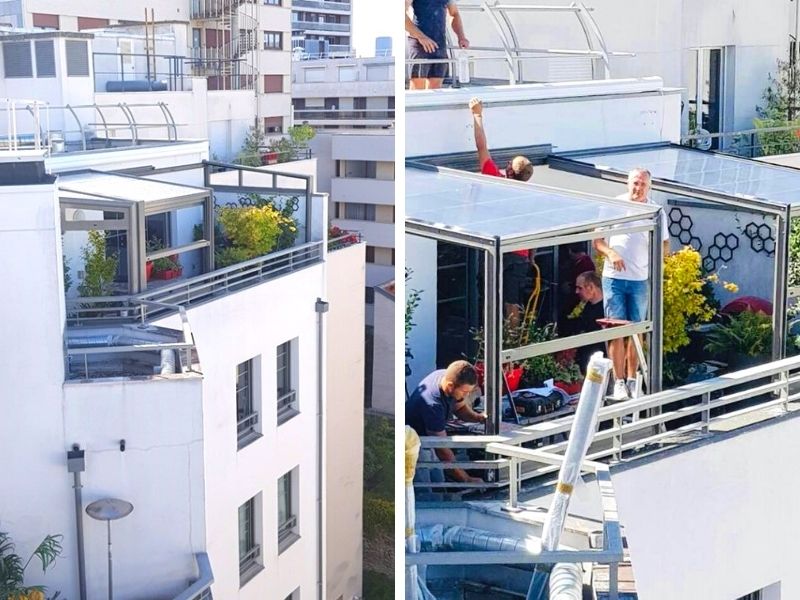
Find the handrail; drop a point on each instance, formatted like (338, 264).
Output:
(611, 553)
(773, 379)
(201, 588)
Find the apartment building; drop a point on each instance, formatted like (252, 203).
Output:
(201, 398)
(234, 44)
(322, 27)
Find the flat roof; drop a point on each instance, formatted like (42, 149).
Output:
(112, 186)
(491, 208)
(721, 174)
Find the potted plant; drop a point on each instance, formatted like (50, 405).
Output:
(743, 339)
(167, 267)
(12, 568)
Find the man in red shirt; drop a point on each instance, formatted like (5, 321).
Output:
(519, 168)
(517, 264)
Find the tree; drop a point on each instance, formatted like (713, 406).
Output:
(99, 269)
(250, 154)
(288, 149)
(12, 569)
(780, 109)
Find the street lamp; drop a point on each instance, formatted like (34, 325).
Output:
(109, 509)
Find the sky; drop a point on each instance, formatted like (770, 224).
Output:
(370, 21)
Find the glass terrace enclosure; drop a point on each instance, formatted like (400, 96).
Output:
(491, 217)
(747, 207)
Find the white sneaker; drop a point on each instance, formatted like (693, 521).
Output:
(632, 386)
(620, 390)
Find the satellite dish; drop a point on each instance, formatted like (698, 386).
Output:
(703, 143)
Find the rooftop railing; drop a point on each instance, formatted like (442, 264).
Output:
(320, 114)
(326, 4)
(344, 240)
(610, 554)
(628, 429)
(319, 26)
(749, 143)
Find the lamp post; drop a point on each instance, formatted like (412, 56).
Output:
(109, 509)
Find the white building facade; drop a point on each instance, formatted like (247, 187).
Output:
(322, 27)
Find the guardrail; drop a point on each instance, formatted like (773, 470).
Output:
(611, 553)
(320, 26)
(345, 240)
(343, 6)
(319, 114)
(749, 143)
(626, 429)
(201, 588)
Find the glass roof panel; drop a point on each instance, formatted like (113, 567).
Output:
(729, 175)
(488, 207)
(119, 187)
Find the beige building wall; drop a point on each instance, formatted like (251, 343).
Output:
(344, 422)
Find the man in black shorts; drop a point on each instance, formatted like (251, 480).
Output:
(427, 40)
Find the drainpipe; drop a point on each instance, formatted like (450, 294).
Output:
(76, 465)
(321, 307)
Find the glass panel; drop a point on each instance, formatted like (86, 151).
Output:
(715, 172)
(244, 399)
(284, 498)
(284, 374)
(246, 528)
(488, 207)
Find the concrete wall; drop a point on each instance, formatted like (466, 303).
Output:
(383, 363)
(722, 516)
(227, 332)
(162, 155)
(344, 421)
(570, 116)
(164, 10)
(160, 473)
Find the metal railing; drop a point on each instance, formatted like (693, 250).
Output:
(157, 303)
(246, 426)
(201, 588)
(319, 114)
(673, 417)
(343, 6)
(286, 529)
(344, 240)
(749, 143)
(611, 553)
(123, 310)
(320, 26)
(249, 559)
(287, 405)
(137, 72)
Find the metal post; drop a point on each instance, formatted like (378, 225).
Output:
(780, 276)
(617, 439)
(110, 578)
(706, 413)
(493, 335)
(513, 482)
(656, 308)
(613, 581)
(76, 464)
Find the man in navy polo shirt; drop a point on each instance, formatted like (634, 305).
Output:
(440, 394)
(427, 39)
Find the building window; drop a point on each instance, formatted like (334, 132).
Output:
(45, 21)
(77, 58)
(348, 73)
(273, 124)
(247, 420)
(273, 40)
(17, 59)
(370, 254)
(249, 548)
(273, 2)
(359, 212)
(287, 510)
(369, 344)
(369, 295)
(273, 84)
(45, 58)
(314, 75)
(392, 256)
(378, 73)
(287, 378)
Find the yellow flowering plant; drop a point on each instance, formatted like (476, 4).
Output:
(684, 297)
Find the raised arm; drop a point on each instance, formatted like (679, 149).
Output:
(457, 25)
(480, 136)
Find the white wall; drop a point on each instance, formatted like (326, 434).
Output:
(160, 473)
(344, 421)
(227, 332)
(37, 500)
(164, 10)
(162, 155)
(723, 516)
(383, 370)
(568, 116)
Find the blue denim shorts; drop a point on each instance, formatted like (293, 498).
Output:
(625, 299)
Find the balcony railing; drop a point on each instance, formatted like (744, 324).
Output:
(287, 529)
(342, 6)
(344, 240)
(287, 406)
(319, 26)
(318, 114)
(246, 428)
(249, 560)
(749, 143)
(201, 588)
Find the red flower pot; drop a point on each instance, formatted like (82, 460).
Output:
(148, 269)
(570, 388)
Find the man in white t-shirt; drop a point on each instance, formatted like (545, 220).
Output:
(625, 284)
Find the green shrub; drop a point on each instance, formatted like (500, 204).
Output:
(378, 515)
(99, 269)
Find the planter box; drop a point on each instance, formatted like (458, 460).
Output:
(168, 274)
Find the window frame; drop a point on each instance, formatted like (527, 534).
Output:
(276, 36)
(286, 378)
(247, 424)
(288, 528)
(250, 558)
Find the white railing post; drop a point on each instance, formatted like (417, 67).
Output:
(707, 412)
